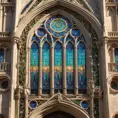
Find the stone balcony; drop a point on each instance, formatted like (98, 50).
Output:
(5, 36)
(112, 3)
(113, 67)
(113, 34)
(5, 67)
(6, 3)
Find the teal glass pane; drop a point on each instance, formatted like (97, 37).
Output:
(70, 67)
(34, 67)
(1, 55)
(69, 38)
(116, 55)
(46, 68)
(116, 58)
(81, 68)
(58, 57)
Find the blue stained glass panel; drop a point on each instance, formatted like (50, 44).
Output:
(116, 55)
(35, 38)
(81, 68)
(34, 67)
(58, 67)
(58, 26)
(40, 32)
(76, 32)
(116, 58)
(33, 104)
(70, 67)
(69, 39)
(46, 68)
(1, 55)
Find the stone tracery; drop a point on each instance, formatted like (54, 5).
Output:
(94, 36)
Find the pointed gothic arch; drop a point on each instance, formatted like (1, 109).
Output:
(58, 102)
(30, 29)
(50, 5)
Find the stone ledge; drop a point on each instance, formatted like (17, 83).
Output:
(113, 34)
(110, 4)
(5, 36)
(8, 4)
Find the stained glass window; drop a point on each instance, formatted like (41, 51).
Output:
(81, 67)
(34, 67)
(58, 67)
(1, 55)
(52, 34)
(70, 67)
(46, 68)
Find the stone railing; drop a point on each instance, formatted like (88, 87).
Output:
(6, 3)
(113, 67)
(4, 35)
(113, 34)
(4, 67)
(112, 3)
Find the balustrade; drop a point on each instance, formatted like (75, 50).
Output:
(4, 67)
(113, 67)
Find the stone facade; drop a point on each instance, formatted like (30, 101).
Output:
(97, 20)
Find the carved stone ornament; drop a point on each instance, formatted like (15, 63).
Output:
(58, 102)
(23, 51)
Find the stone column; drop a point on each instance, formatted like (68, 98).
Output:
(75, 71)
(26, 106)
(52, 71)
(5, 54)
(40, 72)
(64, 71)
(12, 109)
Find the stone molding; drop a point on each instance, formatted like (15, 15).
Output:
(59, 102)
(47, 5)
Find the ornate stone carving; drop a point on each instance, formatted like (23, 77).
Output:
(95, 49)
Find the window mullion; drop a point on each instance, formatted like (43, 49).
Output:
(40, 73)
(5, 55)
(52, 70)
(64, 71)
(76, 70)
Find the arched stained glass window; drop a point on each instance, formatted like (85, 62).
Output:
(34, 67)
(46, 68)
(58, 67)
(1, 55)
(81, 67)
(52, 34)
(70, 67)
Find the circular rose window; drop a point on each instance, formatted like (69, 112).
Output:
(58, 26)
(4, 84)
(33, 104)
(84, 104)
(114, 84)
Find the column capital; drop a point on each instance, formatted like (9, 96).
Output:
(16, 40)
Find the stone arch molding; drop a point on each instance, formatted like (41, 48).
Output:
(67, 4)
(59, 102)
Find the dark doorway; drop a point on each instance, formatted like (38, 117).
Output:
(59, 114)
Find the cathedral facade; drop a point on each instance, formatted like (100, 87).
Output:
(59, 58)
